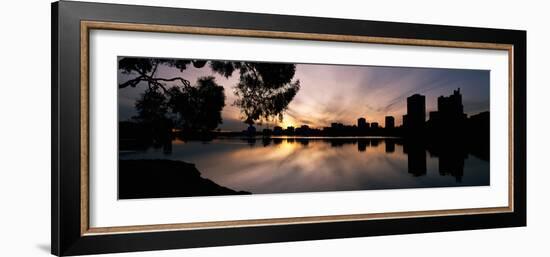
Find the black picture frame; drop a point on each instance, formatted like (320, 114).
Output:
(66, 233)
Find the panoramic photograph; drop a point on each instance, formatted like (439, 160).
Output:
(189, 127)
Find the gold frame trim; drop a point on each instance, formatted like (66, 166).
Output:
(86, 26)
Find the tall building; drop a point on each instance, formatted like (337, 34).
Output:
(374, 125)
(416, 112)
(450, 114)
(390, 122)
(362, 123)
(451, 106)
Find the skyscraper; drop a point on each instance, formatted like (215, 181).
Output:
(362, 123)
(416, 112)
(450, 114)
(390, 122)
(451, 106)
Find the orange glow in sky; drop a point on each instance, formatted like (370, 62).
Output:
(343, 93)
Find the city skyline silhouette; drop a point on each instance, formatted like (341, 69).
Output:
(449, 116)
(342, 93)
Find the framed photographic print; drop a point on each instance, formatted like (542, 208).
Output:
(177, 128)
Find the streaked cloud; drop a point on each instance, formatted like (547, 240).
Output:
(341, 93)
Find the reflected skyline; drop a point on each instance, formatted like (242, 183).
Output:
(290, 164)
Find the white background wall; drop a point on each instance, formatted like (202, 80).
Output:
(25, 128)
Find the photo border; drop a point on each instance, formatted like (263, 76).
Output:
(85, 28)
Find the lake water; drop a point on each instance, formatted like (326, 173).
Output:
(285, 165)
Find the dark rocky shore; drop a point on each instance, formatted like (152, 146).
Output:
(165, 178)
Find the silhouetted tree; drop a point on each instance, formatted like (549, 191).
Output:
(196, 108)
(264, 89)
(152, 106)
(145, 69)
(200, 105)
(155, 125)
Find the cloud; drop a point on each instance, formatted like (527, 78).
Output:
(343, 93)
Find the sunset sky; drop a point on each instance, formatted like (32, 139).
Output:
(341, 93)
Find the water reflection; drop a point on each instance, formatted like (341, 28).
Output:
(416, 159)
(283, 165)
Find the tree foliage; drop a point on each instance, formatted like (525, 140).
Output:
(191, 107)
(200, 106)
(151, 115)
(264, 91)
